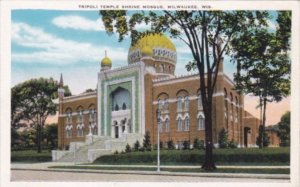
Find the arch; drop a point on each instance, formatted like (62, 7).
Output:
(119, 97)
(182, 93)
(80, 107)
(179, 116)
(201, 121)
(200, 114)
(186, 115)
(68, 110)
(163, 95)
(92, 106)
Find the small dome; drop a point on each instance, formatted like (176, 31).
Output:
(106, 61)
(146, 51)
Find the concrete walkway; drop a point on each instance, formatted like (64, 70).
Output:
(45, 167)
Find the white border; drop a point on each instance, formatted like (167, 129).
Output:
(7, 6)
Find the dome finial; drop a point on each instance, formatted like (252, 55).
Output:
(105, 53)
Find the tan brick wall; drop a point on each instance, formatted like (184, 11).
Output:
(86, 104)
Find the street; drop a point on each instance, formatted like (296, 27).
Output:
(29, 175)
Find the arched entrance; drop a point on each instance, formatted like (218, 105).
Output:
(121, 112)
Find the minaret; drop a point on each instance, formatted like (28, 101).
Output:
(61, 90)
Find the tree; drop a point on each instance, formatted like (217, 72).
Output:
(284, 129)
(262, 136)
(32, 100)
(137, 145)
(223, 139)
(206, 33)
(147, 142)
(50, 133)
(263, 64)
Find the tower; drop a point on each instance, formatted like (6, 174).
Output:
(61, 90)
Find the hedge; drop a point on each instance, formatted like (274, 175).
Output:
(30, 156)
(222, 156)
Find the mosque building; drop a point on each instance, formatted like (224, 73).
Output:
(124, 106)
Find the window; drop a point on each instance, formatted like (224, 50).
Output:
(166, 104)
(201, 122)
(160, 126)
(179, 124)
(167, 125)
(160, 104)
(186, 103)
(79, 116)
(179, 104)
(92, 121)
(200, 106)
(80, 129)
(187, 124)
(69, 131)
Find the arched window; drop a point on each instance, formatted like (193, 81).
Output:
(201, 122)
(92, 121)
(179, 124)
(200, 106)
(179, 104)
(117, 107)
(69, 128)
(79, 116)
(80, 129)
(124, 106)
(160, 126)
(186, 103)
(166, 104)
(167, 123)
(69, 117)
(187, 123)
(160, 105)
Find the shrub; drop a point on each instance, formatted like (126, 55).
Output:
(232, 144)
(146, 141)
(186, 144)
(191, 157)
(116, 152)
(128, 148)
(171, 145)
(137, 146)
(223, 139)
(198, 144)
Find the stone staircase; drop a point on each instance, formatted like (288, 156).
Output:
(94, 147)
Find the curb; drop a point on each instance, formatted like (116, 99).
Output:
(166, 173)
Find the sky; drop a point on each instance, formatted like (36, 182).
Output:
(46, 43)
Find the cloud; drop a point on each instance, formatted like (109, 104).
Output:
(78, 23)
(51, 49)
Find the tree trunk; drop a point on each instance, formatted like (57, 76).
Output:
(264, 120)
(261, 145)
(209, 163)
(38, 139)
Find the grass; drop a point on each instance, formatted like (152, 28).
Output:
(31, 156)
(191, 170)
(249, 156)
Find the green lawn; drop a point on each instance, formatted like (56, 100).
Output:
(249, 156)
(31, 156)
(193, 170)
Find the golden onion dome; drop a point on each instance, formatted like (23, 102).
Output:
(157, 46)
(106, 61)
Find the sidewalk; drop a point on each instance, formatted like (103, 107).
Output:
(44, 167)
